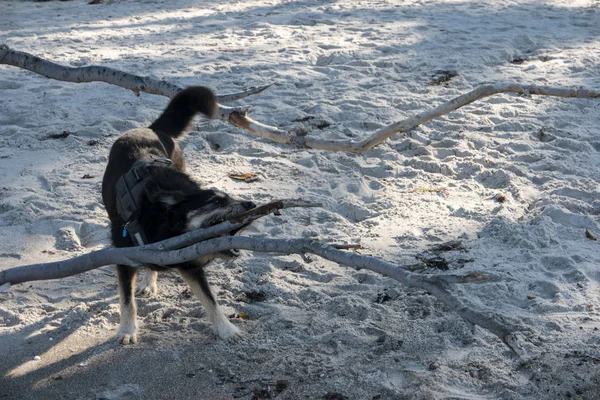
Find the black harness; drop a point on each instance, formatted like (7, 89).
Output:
(130, 190)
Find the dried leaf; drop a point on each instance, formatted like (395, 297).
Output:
(590, 235)
(518, 61)
(247, 177)
(500, 198)
(240, 316)
(530, 297)
(442, 191)
(477, 277)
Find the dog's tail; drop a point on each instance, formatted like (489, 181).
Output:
(182, 108)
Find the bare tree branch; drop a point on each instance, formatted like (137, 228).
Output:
(95, 73)
(138, 256)
(238, 116)
(460, 101)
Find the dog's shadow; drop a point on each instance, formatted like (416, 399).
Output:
(42, 351)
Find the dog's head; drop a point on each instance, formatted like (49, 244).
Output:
(210, 207)
(177, 204)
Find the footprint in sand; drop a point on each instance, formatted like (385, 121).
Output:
(10, 85)
(545, 290)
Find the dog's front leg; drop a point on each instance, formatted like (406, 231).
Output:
(193, 274)
(128, 328)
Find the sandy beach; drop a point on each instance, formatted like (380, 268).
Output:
(514, 179)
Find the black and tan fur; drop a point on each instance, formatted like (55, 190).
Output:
(172, 204)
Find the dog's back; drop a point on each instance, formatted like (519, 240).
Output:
(157, 140)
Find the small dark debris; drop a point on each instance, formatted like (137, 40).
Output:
(58, 378)
(334, 396)
(93, 142)
(442, 76)
(448, 246)
(11, 255)
(304, 119)
(243, 316)
(190, 375)
(433, 366)
(500, 198)
(281, 385)
(590, 235)
(518, 60)
(87, 176)
(241, 392)
(436, 262)
(62, 135)
(314, 122)
(255, 296)
(544, 136)
(582, 357)
(264, 392)
(382, 297)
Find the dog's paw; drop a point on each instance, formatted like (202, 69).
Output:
(147, 286)
(127, 334)
(126, 338)
(225, 330)
(146, 291)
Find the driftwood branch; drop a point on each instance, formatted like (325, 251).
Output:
(186, 247)
(138, 256)
(95, 73)
(238, 116)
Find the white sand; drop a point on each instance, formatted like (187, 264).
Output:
(357, 65)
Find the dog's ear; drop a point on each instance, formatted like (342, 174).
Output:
(169, 199)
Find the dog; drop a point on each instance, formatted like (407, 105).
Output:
(149, 198)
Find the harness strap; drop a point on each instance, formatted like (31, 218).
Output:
(130, 190)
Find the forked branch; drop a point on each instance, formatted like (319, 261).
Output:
(152, 254)
(238, 116)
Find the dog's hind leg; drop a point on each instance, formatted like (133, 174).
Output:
(193, 274)
(128, 328)
(147, 286)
